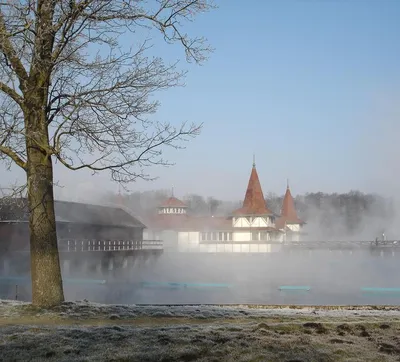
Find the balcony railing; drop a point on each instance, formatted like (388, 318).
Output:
(82, 245)
(356, 243)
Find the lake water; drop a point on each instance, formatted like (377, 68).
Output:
(333, 278)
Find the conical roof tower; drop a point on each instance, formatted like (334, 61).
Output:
(254, 202)
(288, 211)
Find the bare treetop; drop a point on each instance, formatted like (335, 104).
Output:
(98, 93)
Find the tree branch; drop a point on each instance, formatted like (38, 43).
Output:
(10, 153)
(91, 95)
(12, 93)
(8, 50)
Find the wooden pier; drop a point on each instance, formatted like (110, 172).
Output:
(98, 257)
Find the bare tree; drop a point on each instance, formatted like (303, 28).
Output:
(73, 92)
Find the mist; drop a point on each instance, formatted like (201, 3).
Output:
(334, 276)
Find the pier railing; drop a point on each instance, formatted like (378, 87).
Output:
(355, 243)
(81, 245)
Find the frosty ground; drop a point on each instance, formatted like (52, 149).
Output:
(83, 331)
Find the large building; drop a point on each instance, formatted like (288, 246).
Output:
(74, 221)
(251, 228)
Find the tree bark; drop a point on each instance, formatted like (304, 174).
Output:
(47, 287)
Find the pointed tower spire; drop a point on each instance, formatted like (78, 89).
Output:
(254, 160)
(288, 211)
(172, 191)
(287, 184)
(254, 202)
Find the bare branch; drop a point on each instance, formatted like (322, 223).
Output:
(12, 93)
(73, 91)
(9, 52)
(88, 98)
(118, 163)
(14, 156)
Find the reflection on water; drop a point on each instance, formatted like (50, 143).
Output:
(333, 277)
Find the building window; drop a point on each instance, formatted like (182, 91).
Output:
(224, 236)
(216, 236)
(264, 235)
(255, 236)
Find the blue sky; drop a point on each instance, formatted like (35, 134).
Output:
(297, 82)
(309, 86)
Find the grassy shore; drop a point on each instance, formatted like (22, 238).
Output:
(86, 331)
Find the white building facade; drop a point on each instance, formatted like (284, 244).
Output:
(251, 229)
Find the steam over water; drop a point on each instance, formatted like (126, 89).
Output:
(334, 278)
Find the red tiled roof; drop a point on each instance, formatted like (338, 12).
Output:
(254, 202)
(261, 228)
(197, 223)
(173, 202)
(288, 212)
(185, 222)
(209, 223)
(166, 221)
(280, 223)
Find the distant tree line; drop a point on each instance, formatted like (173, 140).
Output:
(349, 215)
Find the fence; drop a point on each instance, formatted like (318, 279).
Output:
(336, 244)
(81, 245)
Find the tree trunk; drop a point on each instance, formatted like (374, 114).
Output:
(47, 287)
